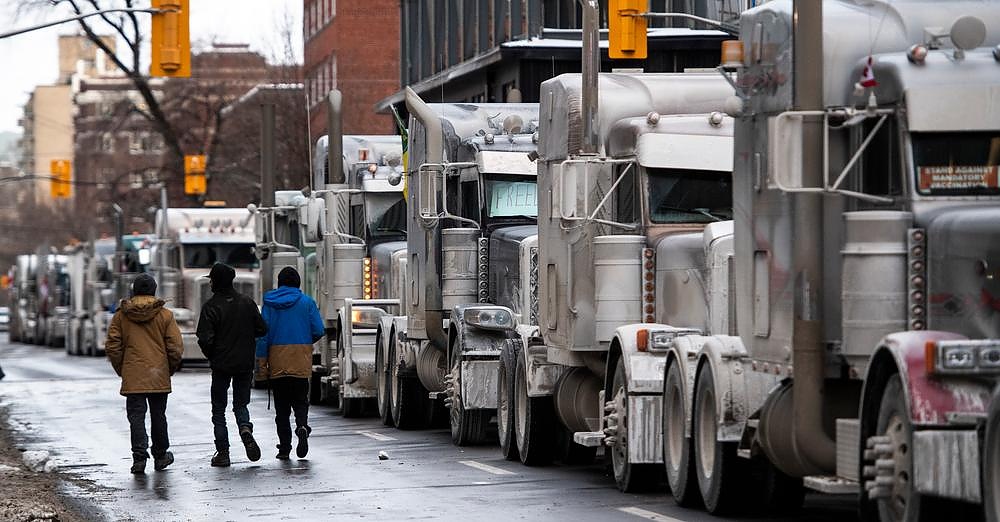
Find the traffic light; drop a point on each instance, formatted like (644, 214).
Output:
(59, 184)
(194, 175)
(171, 41)
(626, 32)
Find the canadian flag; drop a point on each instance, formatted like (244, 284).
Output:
(868, 75)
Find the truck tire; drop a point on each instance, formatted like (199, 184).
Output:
(905, 504)
(468, 427)
(629, 477)
(780, 495)
(722, 475)
(569, 452)
(533, 426)
(408, 401)
(991, 462)
(507, 369)
(352, 407)
(383, 383)
(72, 346)
(677, 446)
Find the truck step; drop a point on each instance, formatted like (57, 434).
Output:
(831, 485)
(589, 439)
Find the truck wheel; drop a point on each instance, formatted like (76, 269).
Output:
(902, 503)
(721, 474)
(352, 407)
(315, 397)
(629, 477)
(72, 348)
(408, 399)
(780, 494)
(468, 427)
(383, 383)
(991, 462)
(677, 447)
(505, 399)
(533, 426)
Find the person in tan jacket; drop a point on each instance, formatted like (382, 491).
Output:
(145, 349)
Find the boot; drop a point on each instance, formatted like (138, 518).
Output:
(283, 452)
(138, 466)
(221, 459)
(302, 448)
(161, 463)
(253, 450)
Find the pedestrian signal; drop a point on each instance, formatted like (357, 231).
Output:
(195, 183)
(60, 182)
(626, 30)
(171, 39)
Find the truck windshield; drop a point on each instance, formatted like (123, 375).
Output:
(508, 198)
(387, 214)
(956, 163)
(689, 196)
(204, 255)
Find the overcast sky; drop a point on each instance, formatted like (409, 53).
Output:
(31, 59)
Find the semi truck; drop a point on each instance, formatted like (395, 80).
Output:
(100, 275)
(24, 296)
(866, 350)
(471, 181)
(188, 242)
(364, 227)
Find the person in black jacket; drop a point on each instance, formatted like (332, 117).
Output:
(228, 327)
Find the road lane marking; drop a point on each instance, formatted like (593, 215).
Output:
(486, 467)
(648, 515)
(377, 436)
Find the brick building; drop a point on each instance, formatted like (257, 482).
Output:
(122, 158)
(353, 46)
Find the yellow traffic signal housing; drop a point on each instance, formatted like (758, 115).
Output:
(626, 31)
(195, 183)
(60, 184)
(171, 41)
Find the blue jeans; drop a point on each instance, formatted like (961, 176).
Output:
(241, 398)
(135, 410)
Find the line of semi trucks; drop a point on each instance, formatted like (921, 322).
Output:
(776, 276)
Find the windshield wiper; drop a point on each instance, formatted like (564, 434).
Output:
(698, 210)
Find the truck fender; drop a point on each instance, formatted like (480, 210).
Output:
(930, 400)
(472, 341)
(724, 355)
(406, 350)
(643, 370)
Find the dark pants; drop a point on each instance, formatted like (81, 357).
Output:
(290, 394)
(241, 398)
(135, 410)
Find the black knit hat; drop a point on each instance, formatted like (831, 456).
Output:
(144, 284)
(289, 277)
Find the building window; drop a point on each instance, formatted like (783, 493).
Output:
(134, 143)
(107, 143)
(135, 180)
(151, 177)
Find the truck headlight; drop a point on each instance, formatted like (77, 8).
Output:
(965, 357)
(489, 317)
(366, 317)
(658, 340)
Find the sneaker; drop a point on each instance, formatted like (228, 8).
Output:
(138, 466)
(253, 450)
(221, 459)
(161, 463)
(283, 453)
(302, 432)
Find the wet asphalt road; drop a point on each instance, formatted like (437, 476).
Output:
(70, 406)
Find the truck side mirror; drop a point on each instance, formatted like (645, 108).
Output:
(571, 178)
(427, 193)
(784, 163)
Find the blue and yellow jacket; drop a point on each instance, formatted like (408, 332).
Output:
(293, 325)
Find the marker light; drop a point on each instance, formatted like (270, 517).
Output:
(917, 54)
(732, 54)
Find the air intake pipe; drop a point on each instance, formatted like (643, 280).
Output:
(590, 66)
(430, 306)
